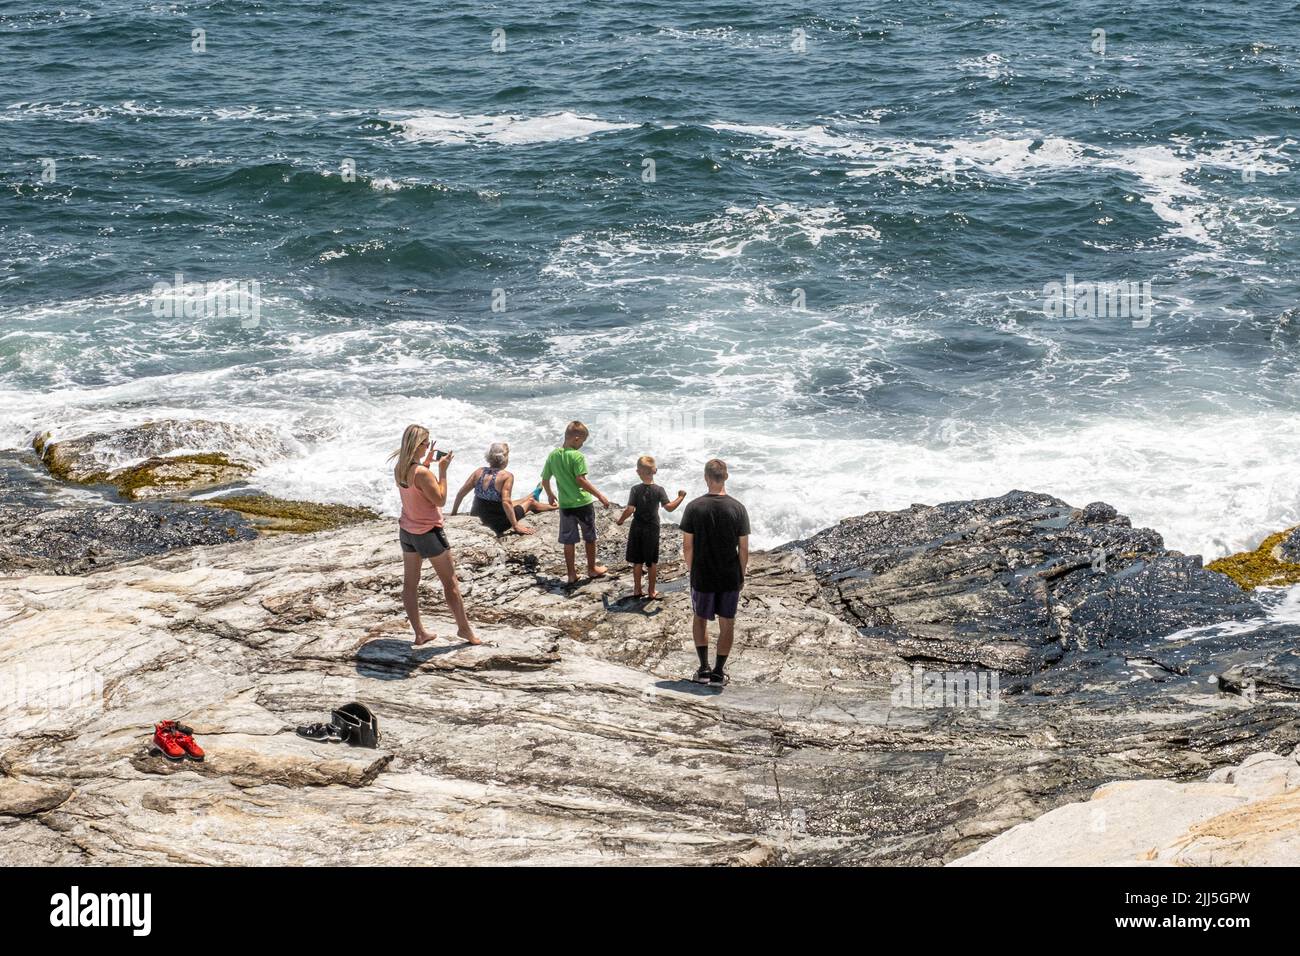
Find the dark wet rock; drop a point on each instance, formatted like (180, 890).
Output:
(24, 482)
(1012, 583)
(76, 540)
(1289, 548)
(1099, 513)
(19, 482)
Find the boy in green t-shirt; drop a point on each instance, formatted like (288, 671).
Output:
(568, 466)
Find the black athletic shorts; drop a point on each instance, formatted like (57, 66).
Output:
(493, 515)
(642, 544)
(428, 545)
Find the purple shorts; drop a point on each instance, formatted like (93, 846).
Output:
(708, 604)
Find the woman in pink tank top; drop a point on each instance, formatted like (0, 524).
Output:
(420, 531)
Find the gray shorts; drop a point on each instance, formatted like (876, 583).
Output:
(428, 545)
(573, 520)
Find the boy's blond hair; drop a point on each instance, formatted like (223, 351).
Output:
(575, 429)
(646, 463)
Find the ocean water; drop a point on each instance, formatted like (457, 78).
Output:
(834, 278)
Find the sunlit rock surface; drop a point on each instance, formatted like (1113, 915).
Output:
(573, 737)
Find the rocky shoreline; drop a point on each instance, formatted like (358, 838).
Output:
(145, 491)
(1066, 651)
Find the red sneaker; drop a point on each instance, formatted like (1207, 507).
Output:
(165, 742)
(185, 737)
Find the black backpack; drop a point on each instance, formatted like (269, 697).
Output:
(358, 726)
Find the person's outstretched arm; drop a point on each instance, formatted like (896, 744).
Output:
(676, 503)
(627, 513)
(464, 490)
(586, 485)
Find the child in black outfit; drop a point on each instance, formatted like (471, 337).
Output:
(643, 503)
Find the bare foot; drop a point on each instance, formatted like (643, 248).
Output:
(637, 595)
(425, 638)
(599, 571)
(469, 638)
(654, 595)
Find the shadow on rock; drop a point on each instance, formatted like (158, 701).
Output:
(388, 659)
(684, 686)
(629, 605)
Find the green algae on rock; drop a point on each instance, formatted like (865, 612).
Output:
(271, 515)
(169, 447)
(169, 476)
(166, 468)
(1263, 567)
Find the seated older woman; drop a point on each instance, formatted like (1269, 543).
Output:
(492, 488)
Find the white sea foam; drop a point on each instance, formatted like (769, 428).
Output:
(991, 66)
(1211, 484)
(185, 162)
(595, 258)
(256, 113)
(1281, 606)
(1163, 172)
(504, 129)
(73, 111)
(1258, 155)
(725, 36)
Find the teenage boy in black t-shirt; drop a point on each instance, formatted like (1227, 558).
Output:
(715, 541)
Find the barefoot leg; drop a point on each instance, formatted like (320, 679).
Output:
(594, 570)
(411, 565)
(451, 590)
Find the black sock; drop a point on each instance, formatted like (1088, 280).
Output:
(722, 662)
(703, 651)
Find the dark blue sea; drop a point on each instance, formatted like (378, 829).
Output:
(813, 239)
